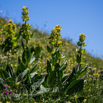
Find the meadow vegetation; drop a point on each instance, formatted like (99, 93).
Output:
(39, 68)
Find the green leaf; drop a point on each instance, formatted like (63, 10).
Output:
(3, 74)
(51, 79)
(83, 51)
(44, 90)
(28, 79)
(49, 49)
(67, 80)
(21, 76)
(56, 56)
(14, 43)
(37, 52)
(7, 45)
(21, 67)
(32, 49)
(31, 70)
(55, 76)
(72, 76)
(83, 45)
(26, 56)
(35, 85)
(32, 75)
(22, 43)
(48, 68)
(63, 66)
(82, 72)
(59, 73)
(78, 59)
(32, 59)
(64, 78)
(19, 60)
(11, 82)
(75, 87)
(1, 83)
(10, 71)
(59, 56)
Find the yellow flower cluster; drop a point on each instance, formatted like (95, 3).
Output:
(28, 69)
(24, 7)
(11, 28)
(10, 22)
(97, 74)
(59, 42)
(7, 102)
(84, 100)
(58, 27)
(24, 94)
(75, 96)
(82, 37)
(81, 40)
(17, 83)
(25, 12)
(0, 40)
(26, 34)
(55, 36)
(94, 69)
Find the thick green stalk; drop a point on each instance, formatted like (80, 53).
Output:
(26, 39)
(80, 55)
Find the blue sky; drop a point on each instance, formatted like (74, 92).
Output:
(74, 16)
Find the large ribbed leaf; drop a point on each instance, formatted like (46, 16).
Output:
(32, 75)
(82, 71)
(26, 56)
(10, 71)
(21, 75)
(49, 49)
(4, 74)
(63, 66)
(55, 76)
(49, 68)
(67, 80)
(10, 81)
(22, 43)
(21, 67)
(31, 70)
(75, 87)
(44, 90)
(32, 58)
(35, 85)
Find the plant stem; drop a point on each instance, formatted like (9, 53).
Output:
(80, 55)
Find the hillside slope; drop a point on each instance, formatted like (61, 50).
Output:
(68, 49)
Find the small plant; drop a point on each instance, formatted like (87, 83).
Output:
(10, 42)
(80, 51)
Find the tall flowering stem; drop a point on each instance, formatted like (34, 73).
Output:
(24, 32)
(54, 64)
(54, 40)
(25, 12)
(80, 51)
